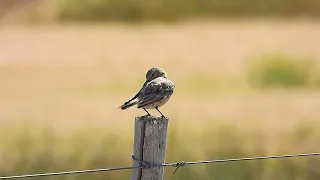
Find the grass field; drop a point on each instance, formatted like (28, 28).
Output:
(61, 86)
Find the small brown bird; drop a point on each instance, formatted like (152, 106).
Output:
(155, 92)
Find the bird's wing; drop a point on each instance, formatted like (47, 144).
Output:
(154, 91)
(134, 97)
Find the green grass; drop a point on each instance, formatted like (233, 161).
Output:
(280, 71)
(164, 11)
(173, 10)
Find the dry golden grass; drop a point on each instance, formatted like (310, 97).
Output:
(74, 77)
(64, 68)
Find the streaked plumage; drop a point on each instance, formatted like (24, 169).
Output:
(155, 92)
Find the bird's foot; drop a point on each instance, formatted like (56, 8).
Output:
(148, 114)
(162, 114)
(165, 117)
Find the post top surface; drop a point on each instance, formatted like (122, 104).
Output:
(153, 119)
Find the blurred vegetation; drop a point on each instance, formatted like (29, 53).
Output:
(141, 10)
(158, 10)
(282, 71)
(44, 150)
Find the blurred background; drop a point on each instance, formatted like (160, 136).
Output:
(247, 81)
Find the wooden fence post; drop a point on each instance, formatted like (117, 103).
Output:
(150, 142)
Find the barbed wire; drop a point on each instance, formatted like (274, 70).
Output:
(176, 164)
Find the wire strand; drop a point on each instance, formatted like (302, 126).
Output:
(248, 159)
(177, 165)
(69, 172)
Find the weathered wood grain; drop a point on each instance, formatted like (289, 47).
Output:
(150, 142)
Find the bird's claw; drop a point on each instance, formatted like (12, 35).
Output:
(165, 117)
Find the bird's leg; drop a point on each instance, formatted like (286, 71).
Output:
(146, 111)
(161, 113)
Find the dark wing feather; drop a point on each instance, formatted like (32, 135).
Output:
(154, 91)
(134, 97)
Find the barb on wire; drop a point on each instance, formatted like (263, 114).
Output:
(177, 165)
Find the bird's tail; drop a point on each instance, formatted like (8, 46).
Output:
(128, 104)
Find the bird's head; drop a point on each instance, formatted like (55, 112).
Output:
(154, 73)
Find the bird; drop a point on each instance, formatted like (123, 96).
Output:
(155, 92)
